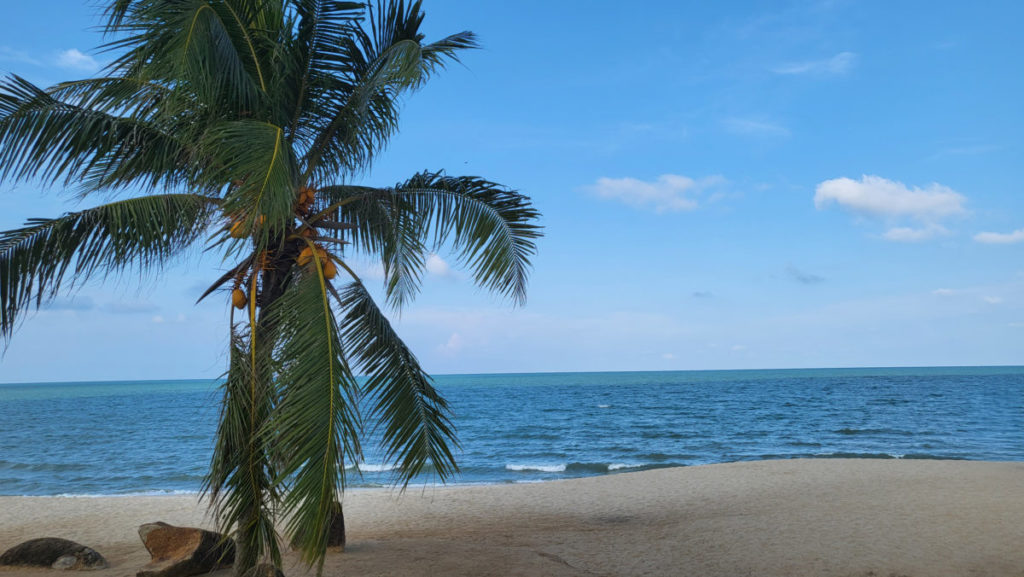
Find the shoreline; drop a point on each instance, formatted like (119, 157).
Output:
(627, 469)
(841, 517)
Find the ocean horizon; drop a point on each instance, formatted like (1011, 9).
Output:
(155, 437)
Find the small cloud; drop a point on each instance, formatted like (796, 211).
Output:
(69, 304)
(669, 193)
(437, 266)
(130, 308)
(77, 60)
(158, 319)
(908, 234)
(877, 197)
(803, 277)
(992, 300)
(701, 294)
(668, 356)
(835, 66)
(739, 347)
(749, 126)
(1000, 238)
(453, 345)
(944, 292)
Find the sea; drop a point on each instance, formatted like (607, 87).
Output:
(156, 437)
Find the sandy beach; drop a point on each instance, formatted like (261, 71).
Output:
(827, 517)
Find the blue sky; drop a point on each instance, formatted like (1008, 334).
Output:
(724, 185)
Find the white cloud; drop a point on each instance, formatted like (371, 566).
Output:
(77, 60)
(668, 356)
(909, 234)
(669, 193)
(944, 292)
(837, 65)
(453, 345)
(1000, 238)
(992, 300)
(754, 127)
(437, 266)
(879, 197)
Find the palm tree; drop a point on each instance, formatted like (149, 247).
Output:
(241, 125)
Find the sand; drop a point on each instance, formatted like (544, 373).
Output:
(824, 517)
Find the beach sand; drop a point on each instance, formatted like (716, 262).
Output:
(822, 517)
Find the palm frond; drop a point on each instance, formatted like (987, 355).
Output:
(142, 232)
(62, 141)
(256, 158)
(241, 477)
(205, 45)
(316, 421)
(365, 78)
(320, 27)
(415, 421)
(491, 228)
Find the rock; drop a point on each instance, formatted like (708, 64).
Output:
(336, 536)
(53, 552)
(263, 570)
(184, 551)
(336, 530)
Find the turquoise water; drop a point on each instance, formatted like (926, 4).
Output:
(156, 436)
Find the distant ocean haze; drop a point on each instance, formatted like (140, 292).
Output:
(156, 437)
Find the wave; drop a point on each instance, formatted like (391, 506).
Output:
(536, 468)
(371, 467)
(583, 467)
(850, 455)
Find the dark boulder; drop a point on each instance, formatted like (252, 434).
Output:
(335, 531)
(184, 551)
(53, 552)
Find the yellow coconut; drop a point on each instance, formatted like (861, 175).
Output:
(238, 299)
(305, 256)
(330, 271)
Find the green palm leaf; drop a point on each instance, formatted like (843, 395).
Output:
(415, 420)
(357, 109)
(316, 420)
(241, 481)
(141, 232)
(491, 228)
(64, 141)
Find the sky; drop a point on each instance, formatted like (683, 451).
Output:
(724, 185)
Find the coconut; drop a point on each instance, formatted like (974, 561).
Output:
(305, 256)
(238, 299)
(330, 271)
